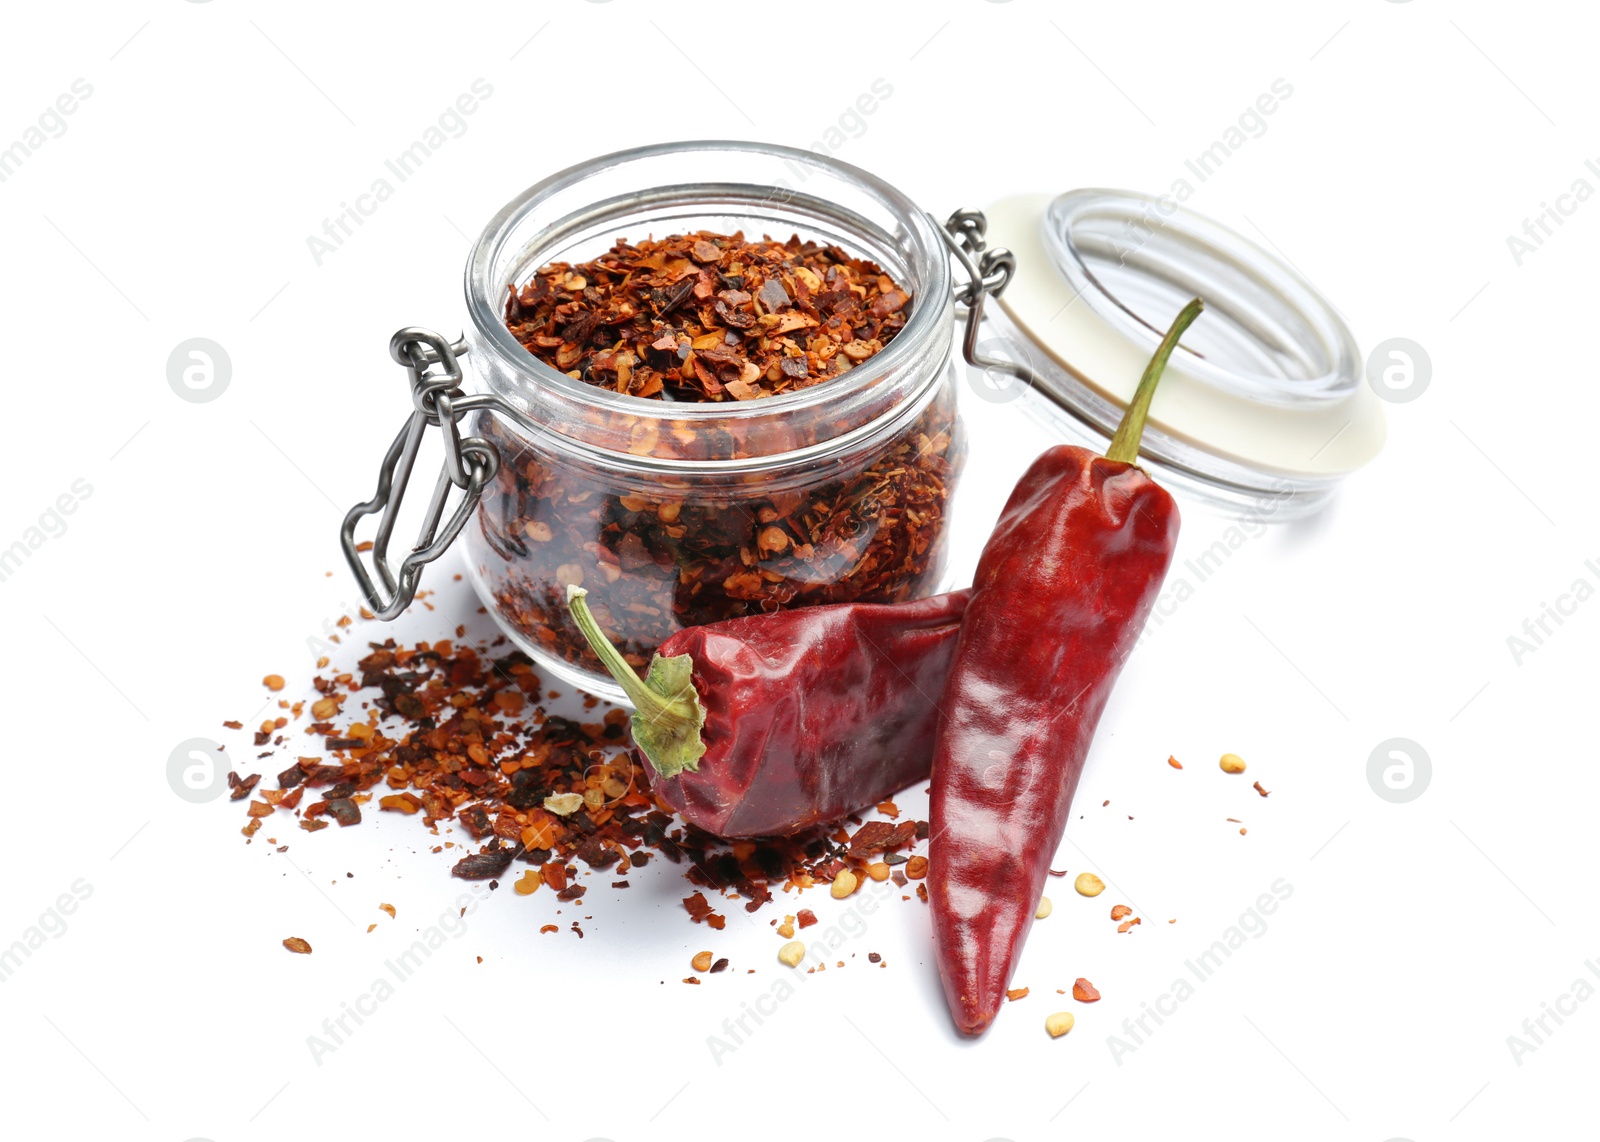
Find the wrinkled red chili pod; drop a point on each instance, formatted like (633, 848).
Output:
(768, 724)
(1061, 593)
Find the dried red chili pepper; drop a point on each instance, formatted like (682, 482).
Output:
(764, 725)
(1060, 595)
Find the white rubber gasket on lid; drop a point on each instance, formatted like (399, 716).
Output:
(1316, 438)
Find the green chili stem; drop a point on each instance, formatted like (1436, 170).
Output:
(1125, 444)
(667, 715)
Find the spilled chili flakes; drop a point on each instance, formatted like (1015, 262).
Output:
(877, 836)
(429, 728)
(698, 906)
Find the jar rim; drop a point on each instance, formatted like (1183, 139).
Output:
(1089, 364)
(926, 248)
(1163, 244)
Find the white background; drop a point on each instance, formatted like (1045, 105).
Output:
(1378, 1002)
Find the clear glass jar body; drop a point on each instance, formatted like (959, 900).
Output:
(673, 514)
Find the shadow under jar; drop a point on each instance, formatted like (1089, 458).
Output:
(673, 512)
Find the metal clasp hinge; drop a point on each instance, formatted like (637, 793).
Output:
(470, 462)
(989, 271)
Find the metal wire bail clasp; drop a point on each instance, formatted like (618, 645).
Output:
(988, 271)
(470, 462)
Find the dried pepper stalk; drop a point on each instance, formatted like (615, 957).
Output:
(771, 724)
(1061, 593)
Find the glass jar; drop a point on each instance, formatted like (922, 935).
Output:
(673, 514)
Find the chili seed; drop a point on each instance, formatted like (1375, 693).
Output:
(1088, 884)
(701, 961)
(1059, 1023)
(1232, 763)
(878, 870)
(843, 885)
(1044, 908)
(917, 867)
(564, 804)
(273, 682)
(792, 953)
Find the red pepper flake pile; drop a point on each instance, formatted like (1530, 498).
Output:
(444, 732)
(708, 317)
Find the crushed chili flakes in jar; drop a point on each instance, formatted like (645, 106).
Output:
(708, 316)
(702, 318)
